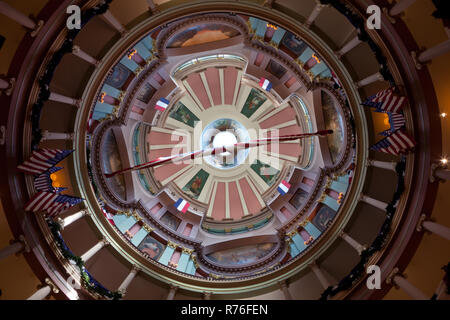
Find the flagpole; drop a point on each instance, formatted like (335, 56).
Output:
(213, 151)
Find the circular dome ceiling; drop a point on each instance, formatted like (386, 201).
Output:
(208, 81)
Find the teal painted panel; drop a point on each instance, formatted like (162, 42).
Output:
(344, 178)
(183, 262)
(261, 28)
(111, 91)
(294, 250)
(139, 236)
(319, 68)
(332, 203)
(142, 50)
(312, 230)
(147, 42)
(130, 64)
(123, 223)
(254, 22)
(326, 73)
(166, 256)
(278, 35)
(104, 107)
(97, 115)
(339, 186)
(306, 55)
(299, 242)
(190, 269)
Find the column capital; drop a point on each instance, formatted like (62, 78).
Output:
(283, 284)
(37, 28)
(422, 219)
(207, 295)
(105, 242)
(52, 285)
(12, 81)
(433, 169)
(135, 268)
(392, 274)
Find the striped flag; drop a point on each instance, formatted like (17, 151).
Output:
(53, 203)
(44, 183)
(182, 205)
(162, 104)
(397, 143)
(265, 84)
(283, 187)
(396, 121)
(385, 101)
(43, 159)
(108, 216)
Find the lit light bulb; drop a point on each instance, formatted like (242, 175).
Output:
(444, 161)
(53, 177)
(443, 115)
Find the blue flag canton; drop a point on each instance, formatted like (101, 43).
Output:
(59, 156)
(62, 198)
(382, 144)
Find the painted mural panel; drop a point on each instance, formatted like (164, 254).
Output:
(195, 186)
(265, 171)
(276, 69)
(323, 217)
(294, 45)
(242, 255)
(299, 198)
(171, 221)
(119, 76)
(333, 121)
(203, 33)
(111, 162)
(146, 93)
(254, 100)
(181, 113)
(152, 247)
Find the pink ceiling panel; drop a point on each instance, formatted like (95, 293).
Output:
(230, 76)
(212, 76)
(236, 210)
(196, 83)
(283, 116)
(218, 212)
(251, 200)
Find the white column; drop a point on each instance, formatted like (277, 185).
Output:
(320, 275)
(172, 292)
(92, 251)
(349, 46)
(20, 18)
(352, 242)
(113, 22)
(76, 50)
(382, 164)
(285, 290)
(373, 202)
(370, 79)
(434, 52)
(15, 248)
(399, 281)
(7, 87)
(72, 218)
(124, 285)
(63, 99)
(400, 6)
(314, 14)
(46, 135)
(42, 293)
(433, 227)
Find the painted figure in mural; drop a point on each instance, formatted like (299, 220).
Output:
(152, 250)
(195, 186)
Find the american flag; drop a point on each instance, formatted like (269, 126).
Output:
(385, 101)
(53, 203)
(397, 143)
(44, 183)
(42, 160)
(396, 121)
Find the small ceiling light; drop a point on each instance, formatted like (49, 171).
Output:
(444, 161)
(443, 115)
